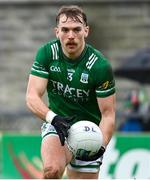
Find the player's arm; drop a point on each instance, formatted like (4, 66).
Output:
(37, 84)
(107, 106)
(35, 91)
(107, 124)
(105, 92)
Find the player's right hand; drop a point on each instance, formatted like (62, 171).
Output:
(62, 125)
(86, 157)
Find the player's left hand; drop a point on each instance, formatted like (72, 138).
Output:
(86, 157)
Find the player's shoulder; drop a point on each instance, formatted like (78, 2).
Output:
(95, 52)
(51, 48)
(51, 45)
(55, 43)
(95, 58)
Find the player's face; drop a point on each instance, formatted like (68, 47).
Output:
(72, 36)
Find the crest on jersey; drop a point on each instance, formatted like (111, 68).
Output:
(84, 78)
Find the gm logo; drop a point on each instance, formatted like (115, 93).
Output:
(55, 69)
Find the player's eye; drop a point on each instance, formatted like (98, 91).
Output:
(65, 30)
(77, 29)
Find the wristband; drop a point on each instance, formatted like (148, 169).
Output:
(50, 116)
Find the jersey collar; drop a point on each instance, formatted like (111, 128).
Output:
(76, 59)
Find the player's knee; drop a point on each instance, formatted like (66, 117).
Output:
(52, 172)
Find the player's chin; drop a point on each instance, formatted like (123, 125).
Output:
(71, 50)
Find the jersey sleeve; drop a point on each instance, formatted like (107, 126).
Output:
(105, 83)
(40, 65)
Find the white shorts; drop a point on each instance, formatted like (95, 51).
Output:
(76, 165)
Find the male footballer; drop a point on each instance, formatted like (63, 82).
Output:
(80, 86)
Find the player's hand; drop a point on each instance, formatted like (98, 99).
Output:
(62, 125)
(86, 157)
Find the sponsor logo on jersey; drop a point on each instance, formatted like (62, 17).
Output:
(55, 69)
(105, 85)
(70, 92)
(84, 78)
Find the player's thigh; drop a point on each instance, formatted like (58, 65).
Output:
(53, 153)
(51, 149)
(81, 175)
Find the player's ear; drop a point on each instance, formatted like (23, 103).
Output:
(86, 31)
(56, 31)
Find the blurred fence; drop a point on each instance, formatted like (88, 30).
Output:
(19, 121)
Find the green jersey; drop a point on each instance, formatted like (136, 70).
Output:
(74, 85)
